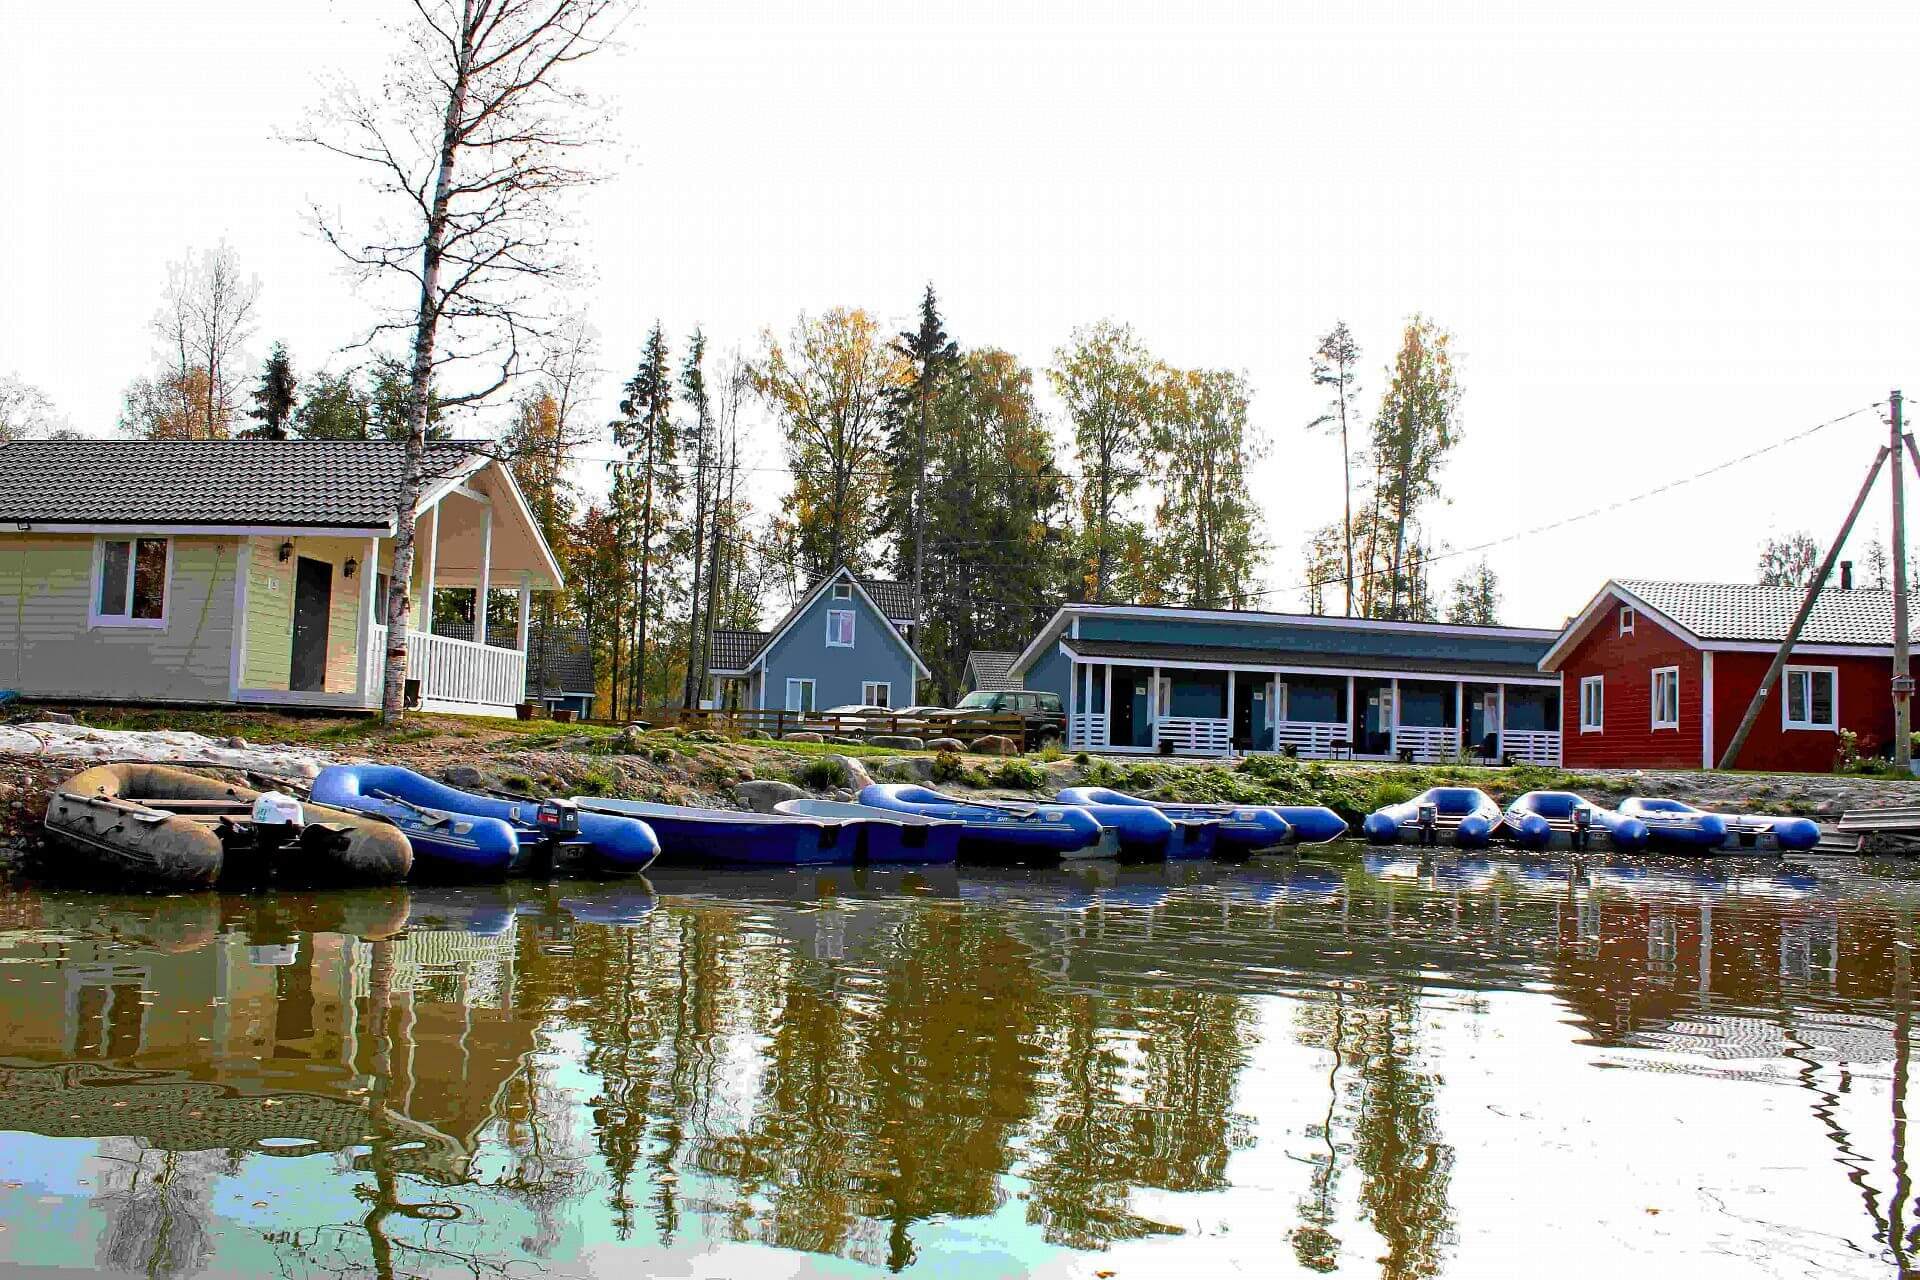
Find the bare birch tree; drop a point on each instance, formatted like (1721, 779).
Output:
(469, 142)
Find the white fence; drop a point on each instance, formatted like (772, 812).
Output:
(1312, 739)
(1088, 730)
(460, 671)
(1531, 746)
(1427, 742)
(1194, 735)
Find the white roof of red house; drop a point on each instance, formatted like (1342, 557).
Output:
(1717, 613)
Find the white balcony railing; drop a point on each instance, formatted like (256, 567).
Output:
(1087, 731)
(1311, 739)
(1194, 735)
(1427, 742)
(460, 671)
(1531, 746)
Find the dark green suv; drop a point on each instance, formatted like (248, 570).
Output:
(1045, 717)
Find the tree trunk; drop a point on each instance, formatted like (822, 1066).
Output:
(1346, 476)
(646, 567)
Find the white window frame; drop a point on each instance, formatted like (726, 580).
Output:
(1786, 700)
(97, 619)
(1627, 619)
(1653, 698)
(834, 615)
(794, 685)
(1599, 686)
(866, 693)
(843, 591)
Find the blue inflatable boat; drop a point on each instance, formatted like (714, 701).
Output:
(1464, 816)
(732, 838)
(458, 833)
(1149, 830)
(1563, 820)
(1679, 827)
(885, 836)
(996, 829)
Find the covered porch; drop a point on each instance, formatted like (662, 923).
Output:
(311, 630)
(1121, 704)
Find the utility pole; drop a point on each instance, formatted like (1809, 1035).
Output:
(1902, 675)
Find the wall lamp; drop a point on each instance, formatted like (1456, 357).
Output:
(286, 552)
(351, 567)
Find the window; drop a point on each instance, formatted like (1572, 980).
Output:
(1666, 698)
(1626, 619)
(839, 628)
(130, 582)
(843, 591)
(1163, 705)
(1024, 703)
(876, 693)
(1593, 704)
(1812, 698)
(800, 695)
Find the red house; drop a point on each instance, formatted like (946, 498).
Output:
(1659, 674)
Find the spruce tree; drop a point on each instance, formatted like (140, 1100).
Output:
(273, 397)
(931, 358)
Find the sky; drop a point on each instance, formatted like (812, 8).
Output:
(1663, 235)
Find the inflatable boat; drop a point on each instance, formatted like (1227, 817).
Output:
(1563, 820)
(1149, 830)
(886, 836)
(1679, 827)
(162, 825)
(462, 834)
(732, 838)
(997, 829)
(1464, 816)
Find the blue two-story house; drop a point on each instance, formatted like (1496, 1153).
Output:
(1212, 682)
(843, 643)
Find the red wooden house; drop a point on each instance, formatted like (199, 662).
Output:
(1659, 674)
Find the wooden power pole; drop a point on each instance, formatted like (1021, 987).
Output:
(1902, 675)
(1800, 619)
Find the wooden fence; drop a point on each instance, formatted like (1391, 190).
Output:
(776, 724)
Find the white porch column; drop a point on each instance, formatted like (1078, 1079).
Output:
(1073, 701)
(1353, 721)
(1153, 710)
(1460, 715)
(486, 576)
(1393, 725)
(1500, 734)
(1107, 702)
(525, 629)
(425, 620)
(372, 665)
(1232, 680)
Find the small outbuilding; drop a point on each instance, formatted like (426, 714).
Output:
(844, 642)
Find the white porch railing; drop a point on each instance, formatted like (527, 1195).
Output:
(1427, 742)
(1087, 731)
(1531, 746)
(1311, 739)
(460, 671)
(1194, 735)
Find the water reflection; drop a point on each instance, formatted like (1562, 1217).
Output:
(1295, 1064)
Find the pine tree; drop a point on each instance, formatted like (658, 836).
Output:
(645, 430)
(1476, 596)
(273, 396)
(1334, 362)
(931, 357)
(693, 382)
(1413, 433)
(334, 408)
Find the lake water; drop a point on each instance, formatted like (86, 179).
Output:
(1347, 1064)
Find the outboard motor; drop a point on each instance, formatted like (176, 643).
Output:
(1582, 835)
(1428, 818)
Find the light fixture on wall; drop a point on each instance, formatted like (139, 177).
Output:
(286, 552)
(351, 567)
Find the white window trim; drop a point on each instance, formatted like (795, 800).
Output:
(1653, 698)
(839, 644)
(867, 686)
(1599, 684)
(97, 619)
(1832, 726)
(1628, 617)
(843, 591)
(793, 687)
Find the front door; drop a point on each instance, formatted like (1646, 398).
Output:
(312, 609)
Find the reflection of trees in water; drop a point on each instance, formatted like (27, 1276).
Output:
(157, 1205)
(1322, 1023)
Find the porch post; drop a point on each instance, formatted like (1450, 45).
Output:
(425, 622)
(1232, 679)
(1460, 716)
(1393, 727)
(1106, 715)
(1153, 711)
(1073, 700)
(372, 665)
(526, 615)
(1500, 739)
(1353, 725)
(486, 576)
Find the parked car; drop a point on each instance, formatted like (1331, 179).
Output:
(858, 709)
(921, 713)
(1044, 714)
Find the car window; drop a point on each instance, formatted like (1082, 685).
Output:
(1024, 702)
(976, 701)
(1049, 703)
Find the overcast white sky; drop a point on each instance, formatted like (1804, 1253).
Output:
(1663, 234)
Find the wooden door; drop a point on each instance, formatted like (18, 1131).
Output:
(312, 611)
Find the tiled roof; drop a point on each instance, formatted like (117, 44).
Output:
(990, 668)
(894, 598)
(1738, 611)
(346, 484)
(1145, 654)
(733, 650)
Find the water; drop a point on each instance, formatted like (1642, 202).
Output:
(1473, 1067)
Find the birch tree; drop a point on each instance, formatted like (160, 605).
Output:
(1207, 521)
(1414, 431)
(1110, 386)
(1334, 361)
(468, 143)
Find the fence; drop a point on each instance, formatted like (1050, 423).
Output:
(776, 724)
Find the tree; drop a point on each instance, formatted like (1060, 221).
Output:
(25, 411)
(390, 402)
(693, 384)
(273, 396)
(333, 408)
(204, 321)
(1476, 596)
(471, 139)
(647, 487)
(1110, 386)
(830, 387)
(1413, 432)
(168, 406)
(1789, 561)
(930, 358)
(1334, 362)
(1323, 562)
(1206, 520)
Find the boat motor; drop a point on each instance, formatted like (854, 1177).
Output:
(1428, 816)
(1582, 827)
(558, 819)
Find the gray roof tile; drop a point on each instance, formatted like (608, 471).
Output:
(991, 669)
(310, 483)
(1740, 611)
(733, 650)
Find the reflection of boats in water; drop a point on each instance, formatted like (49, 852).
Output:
(806, 884)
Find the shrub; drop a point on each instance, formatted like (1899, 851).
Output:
(1018, 775)
(949, 767)
(822, 773)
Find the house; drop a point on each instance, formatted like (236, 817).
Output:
(1660, 674)
(989, 669)
(844, 641)
(250, 571)
(1140, 678)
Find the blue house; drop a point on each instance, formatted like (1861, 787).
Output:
(1140, 678)
(843, 643)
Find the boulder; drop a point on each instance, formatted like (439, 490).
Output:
(995, 745)
(236, 743)
(803, 735)
(857, 775)
(899, 741)
(946, 744)
(841, 739)
(761, 796)
(463, 775)
(57, 717)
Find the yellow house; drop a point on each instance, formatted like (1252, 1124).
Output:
(252, 571)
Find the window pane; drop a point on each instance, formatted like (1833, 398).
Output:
(1797, 697)
(150, 578)
(113, 579)
(1821, 683)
